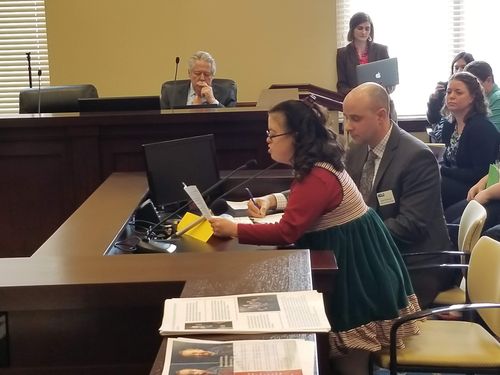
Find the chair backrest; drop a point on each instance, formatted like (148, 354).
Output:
(471, 226)
(55, 98)
(483, 279)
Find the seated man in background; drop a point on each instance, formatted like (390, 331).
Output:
(398, 176)
(201, 88)
(483, 72)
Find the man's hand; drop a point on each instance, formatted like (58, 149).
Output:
(206, 92)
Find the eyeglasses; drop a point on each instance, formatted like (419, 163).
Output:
(272, 136)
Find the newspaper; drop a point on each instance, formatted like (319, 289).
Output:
(246, 357)
(302, 311)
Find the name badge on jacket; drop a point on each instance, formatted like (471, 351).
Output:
(385, 198)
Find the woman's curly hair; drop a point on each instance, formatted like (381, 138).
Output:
(314, 141)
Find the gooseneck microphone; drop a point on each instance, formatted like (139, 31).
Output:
(177, 60)
(248, 164)
(28, 56)
(245, 182)
(39, 91)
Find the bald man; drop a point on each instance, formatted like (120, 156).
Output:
(403, 185)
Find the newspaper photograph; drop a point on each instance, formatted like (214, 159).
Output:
(247, 357)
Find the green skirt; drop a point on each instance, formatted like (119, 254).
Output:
(372, 282)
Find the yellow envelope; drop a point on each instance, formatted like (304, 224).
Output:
(201, 232)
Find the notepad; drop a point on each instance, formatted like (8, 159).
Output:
(493, 175)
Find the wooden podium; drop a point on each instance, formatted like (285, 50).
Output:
(327, 98)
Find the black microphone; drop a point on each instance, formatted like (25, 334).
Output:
(39, 91)
(28, 56)
(219, 206)
(248, 164)
(177, 60)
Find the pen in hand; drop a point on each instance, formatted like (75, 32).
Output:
(251, 197)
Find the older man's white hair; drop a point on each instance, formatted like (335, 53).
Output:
(204, 56)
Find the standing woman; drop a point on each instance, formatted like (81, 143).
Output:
(471, 139)
(360, 50)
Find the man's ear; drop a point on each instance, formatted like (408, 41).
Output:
(382, 114)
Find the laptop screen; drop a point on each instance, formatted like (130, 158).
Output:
(170, 163)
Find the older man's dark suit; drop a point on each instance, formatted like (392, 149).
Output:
(174, 94)
(409, 169)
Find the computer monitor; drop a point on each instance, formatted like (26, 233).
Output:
(384, 72)
(170, 163)
(119, 104)
(195, 106)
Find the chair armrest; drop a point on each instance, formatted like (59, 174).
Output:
(445, 252)
(423, 314)
(444, 265)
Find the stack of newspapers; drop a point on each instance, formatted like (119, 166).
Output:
(246, 313)
(283, 312)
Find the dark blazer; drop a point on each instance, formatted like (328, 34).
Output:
(225, 92)
(477, 149)
(415, 220)
(347, 60)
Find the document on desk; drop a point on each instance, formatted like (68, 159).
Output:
(268, 219)
(238, 205)
(302, 311)
(243, 357)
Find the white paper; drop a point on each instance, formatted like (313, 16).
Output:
(238, 205)
(268, 219)
(287, 356)
(195, 195)
(250, 313)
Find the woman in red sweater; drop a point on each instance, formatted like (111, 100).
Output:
(324, 210)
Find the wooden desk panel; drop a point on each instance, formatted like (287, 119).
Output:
(51, 163)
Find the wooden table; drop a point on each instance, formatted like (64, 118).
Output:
(73, 310)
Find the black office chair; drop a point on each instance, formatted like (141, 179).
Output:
(54, 99)
(174, 93)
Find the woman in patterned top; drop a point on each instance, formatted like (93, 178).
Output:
(325, 211)
(471, 139)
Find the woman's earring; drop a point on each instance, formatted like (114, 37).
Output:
(369, 38)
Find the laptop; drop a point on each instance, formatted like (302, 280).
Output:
(117, 104)
(270, 97)
(384, 72)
